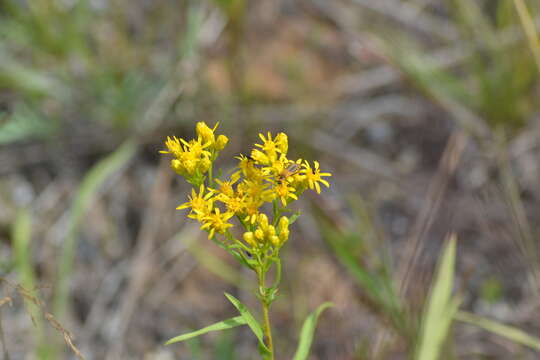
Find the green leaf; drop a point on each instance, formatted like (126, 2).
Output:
(516, 335)
(307, 332)
(294, 217)
(25, 123)
(249, 318)
(222, 325)
(378, 287)
(441, 307)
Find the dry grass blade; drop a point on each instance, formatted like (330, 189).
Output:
(27, 296)
(447, 167)
(2, 337)
(141, 267)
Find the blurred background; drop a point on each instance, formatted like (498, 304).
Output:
(425, 111)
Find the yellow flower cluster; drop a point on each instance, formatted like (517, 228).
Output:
(266, 176)
(194, 159)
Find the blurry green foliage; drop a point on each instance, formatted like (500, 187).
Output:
(76, 61)
(491, 290)
(498, 79)
(352, 246)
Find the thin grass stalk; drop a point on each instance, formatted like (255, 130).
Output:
(530, 30)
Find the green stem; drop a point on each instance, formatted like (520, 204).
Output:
(210, 178)
(278, 273)
(266, 307)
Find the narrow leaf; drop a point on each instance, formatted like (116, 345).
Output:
(441, 307)
(222, 325)
(307, 332)
(509, 332)
(248, 317)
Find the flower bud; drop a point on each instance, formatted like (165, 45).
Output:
(221, 142)
(205, 132)
(283, 224)
(249, 238)
(275, 240)
(284, 236)
(263, 222)
(176, 165)
(259, 234)
(204, 165)
(271, 230)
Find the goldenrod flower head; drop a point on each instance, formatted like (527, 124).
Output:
(260, 157)
(266, 176)
(225, 187)
(285, 192)
(173, 146)
(282, 143)
(314, 176)
(205, 132)
(216, 222)
(269, 146)
(201, 204)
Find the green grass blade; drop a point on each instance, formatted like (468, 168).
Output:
(86, 193)
(529, 28)
(516, 335)
(222, 325)
(21, 234)
(441, 307)
(307, 332)
(21, 237)
(378, 287)
(250, 319)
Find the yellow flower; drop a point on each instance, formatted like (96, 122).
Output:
(272, 147)
(205, 132)
(282, 143)
(268, 146)
(247, 168)
(216, 222)
(284, 192)
(208, 136)
(173, 147)
(314, 176)
(260, 157)
(201, 204)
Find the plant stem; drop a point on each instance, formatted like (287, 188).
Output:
(266, 307)
(268, 329)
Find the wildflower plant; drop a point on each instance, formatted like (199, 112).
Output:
(247, 215)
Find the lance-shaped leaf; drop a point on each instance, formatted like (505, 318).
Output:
(307, 332)
(222, 325)
(440, 309)
(514, 334)
(249, 318)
